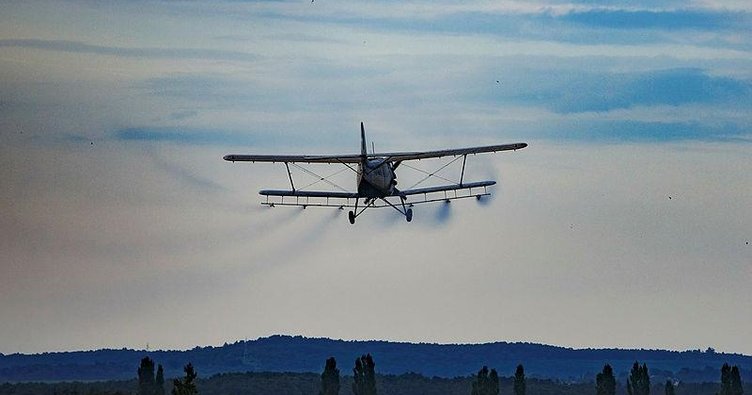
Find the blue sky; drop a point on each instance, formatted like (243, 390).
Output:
(115, 116)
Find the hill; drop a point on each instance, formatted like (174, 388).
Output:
(301, 355)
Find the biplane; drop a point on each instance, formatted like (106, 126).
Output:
(376, 179)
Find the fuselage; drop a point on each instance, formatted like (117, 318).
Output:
(376, 178)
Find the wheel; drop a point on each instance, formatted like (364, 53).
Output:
(351, 217)
(409, 215)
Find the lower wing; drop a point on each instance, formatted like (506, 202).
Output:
(443, 188)
(317, 194)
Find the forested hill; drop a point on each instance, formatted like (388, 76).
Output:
(299, 354)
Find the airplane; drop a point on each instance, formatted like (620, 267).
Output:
(376, 179)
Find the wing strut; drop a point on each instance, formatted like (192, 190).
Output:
(462, 175)
(290, 175)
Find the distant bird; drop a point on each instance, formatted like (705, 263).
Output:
(497, 81)
(91, 143)
(669, 198)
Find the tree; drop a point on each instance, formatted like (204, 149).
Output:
(669, 388)
(638, 382)
(486, 383)
(736, 381)
(147, 383)
(493, 383)
(330, 378)
(146, 377)
(725, 380)
(159, 381)
(731, 381)
(364, 376)
(187, 386)
(605, 382)
(519, 380)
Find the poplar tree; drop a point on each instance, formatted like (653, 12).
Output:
(519, 380)
(669, 388)
(187, 385)
(364, 376)
(330, 378)
(725, 380)
(638, 382)
(486, 383)
(605, 382)
(736, 381)
(731, 381)
(159, 381)
(146, 377)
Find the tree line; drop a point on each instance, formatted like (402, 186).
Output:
(486, 382)
(364, 380)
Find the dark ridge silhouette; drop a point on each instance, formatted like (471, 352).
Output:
(300, 355)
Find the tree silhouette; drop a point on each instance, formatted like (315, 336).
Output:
(330, 378)
(731, 381)
(147, 383)
(146, 377)
(670, 388)
(187, 386)
(486, 383)
(519, 380)
(364, 376)
(159, 381)
(736, 381)
(725, 380)
(638, 382)
(605, 382)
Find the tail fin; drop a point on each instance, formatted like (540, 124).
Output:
(363, 151)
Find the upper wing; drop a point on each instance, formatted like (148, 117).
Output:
(356, 158)
(350, 158)
(400, 156)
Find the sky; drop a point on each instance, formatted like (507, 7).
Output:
(626, 222)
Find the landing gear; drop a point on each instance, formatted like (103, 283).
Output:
(407, 212)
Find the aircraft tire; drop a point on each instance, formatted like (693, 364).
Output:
(351, 217)
(409, 215)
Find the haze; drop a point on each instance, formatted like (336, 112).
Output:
(625, 223)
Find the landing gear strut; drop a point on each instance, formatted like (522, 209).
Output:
(407, 212)
(355, 213)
